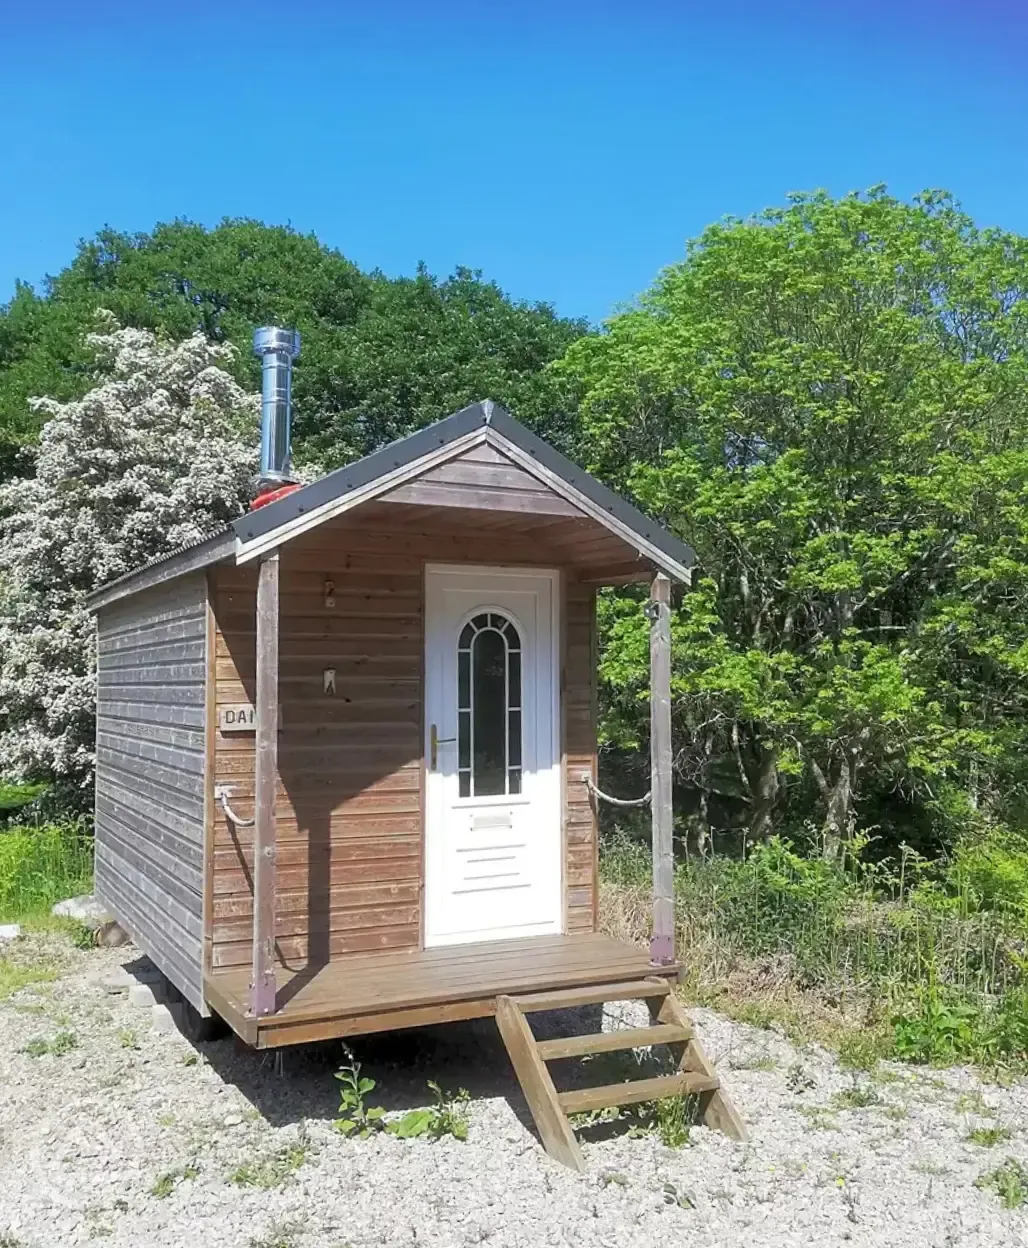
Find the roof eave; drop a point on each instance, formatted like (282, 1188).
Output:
(219, 548)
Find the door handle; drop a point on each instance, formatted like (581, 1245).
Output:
(435, 741)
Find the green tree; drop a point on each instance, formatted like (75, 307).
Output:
(830, 402)
(380, 356)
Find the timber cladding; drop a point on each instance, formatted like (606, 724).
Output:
(150, 767)
(349, 798)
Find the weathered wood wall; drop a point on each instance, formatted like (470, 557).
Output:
(151, 681)
(579, 702)
(347, 809)
(349, 806)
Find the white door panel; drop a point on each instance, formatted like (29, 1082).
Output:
(492, 824)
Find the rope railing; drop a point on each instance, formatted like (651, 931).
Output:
(615, 801)
(221, 794)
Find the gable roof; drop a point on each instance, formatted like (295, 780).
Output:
(485, 421)
(382, 471)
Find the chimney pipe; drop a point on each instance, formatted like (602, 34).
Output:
(277, 348)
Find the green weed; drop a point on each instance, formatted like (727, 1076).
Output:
(127, 1038)
(271, 1172)
(971, 1103)
(988, 1137)
(57, 1045)
(857, 1096)
(167, 1182)
(278, 1235)
(448, 1116)
(1009, 1181)
(356, 1116)
(763, 1061)
(672, 1118)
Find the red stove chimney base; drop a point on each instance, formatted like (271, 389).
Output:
(272, 496)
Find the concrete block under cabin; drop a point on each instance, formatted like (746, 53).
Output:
(346, 749)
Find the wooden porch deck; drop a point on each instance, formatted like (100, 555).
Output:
(366, 993)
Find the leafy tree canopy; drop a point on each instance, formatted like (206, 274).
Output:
(380, 356)
(830, 402)
(154, 456)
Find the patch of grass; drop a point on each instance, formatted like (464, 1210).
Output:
(42, 865)
(912, 960)
(278, 1235)
(988, 1137)
(57, 1045)
(762, 1061)
(971, 1103)
(672, 1118)
(273, 1171)
(931, 1168)
(7, 1240)
(863, 1048)
(16, 974)
(818, 1116)
(857, 1096)
(167, 1182)
(1009, 1181)
(127, 1038)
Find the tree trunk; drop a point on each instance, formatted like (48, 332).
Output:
(764, 790)
(837, 796)
(838, 815)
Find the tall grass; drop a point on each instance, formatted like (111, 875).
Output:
(42, 865)
(930, 959)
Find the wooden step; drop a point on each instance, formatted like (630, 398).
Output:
(595, 994)
(686, 1083)
(612, 1041)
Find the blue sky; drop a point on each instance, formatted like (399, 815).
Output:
(568, 150)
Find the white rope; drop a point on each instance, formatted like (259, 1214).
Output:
(614, 801)
(222, 796)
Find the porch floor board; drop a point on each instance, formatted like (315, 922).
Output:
(371, 992)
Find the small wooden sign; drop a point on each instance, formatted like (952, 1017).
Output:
(237, 717)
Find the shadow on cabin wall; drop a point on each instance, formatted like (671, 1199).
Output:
(348, 810)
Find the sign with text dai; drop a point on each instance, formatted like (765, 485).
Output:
(237, 717)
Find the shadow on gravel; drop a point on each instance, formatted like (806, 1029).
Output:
(298, 1084)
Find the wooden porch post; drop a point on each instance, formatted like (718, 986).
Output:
(662, 943)
(263, 988)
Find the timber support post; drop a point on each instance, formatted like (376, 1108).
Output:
(662, 942)
(265, 786)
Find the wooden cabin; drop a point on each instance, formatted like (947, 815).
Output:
(346, 757)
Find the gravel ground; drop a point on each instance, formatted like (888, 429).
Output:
(136, 1137)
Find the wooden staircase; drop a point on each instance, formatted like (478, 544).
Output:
(670, 1025)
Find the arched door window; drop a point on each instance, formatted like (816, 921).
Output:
(489, 706)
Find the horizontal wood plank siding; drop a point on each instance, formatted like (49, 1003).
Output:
(482, 479)
(580, 830)
(348, 805)
(349, 798)
(150, 767)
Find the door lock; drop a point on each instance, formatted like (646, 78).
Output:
(435, 741)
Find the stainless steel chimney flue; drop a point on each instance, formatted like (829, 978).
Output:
(277, 348)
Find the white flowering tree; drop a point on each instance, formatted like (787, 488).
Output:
(160, 453)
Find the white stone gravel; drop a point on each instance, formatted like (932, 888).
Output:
(85, 1136)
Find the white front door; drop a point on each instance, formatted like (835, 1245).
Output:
(492, 808)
